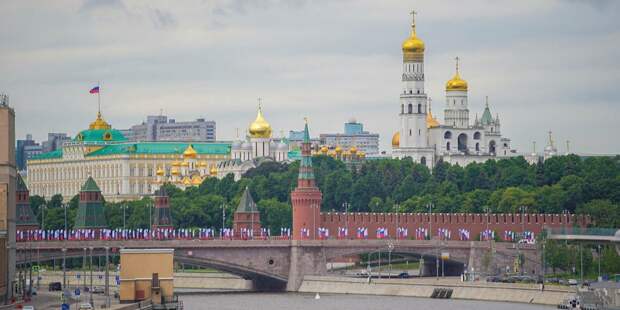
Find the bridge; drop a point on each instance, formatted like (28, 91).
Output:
(282, 264)
(588, 235)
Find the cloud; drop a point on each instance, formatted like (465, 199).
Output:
(545, 65)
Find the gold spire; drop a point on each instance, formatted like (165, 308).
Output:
(456, 83)
(431, 122)
(99, 123)
(260, 128)
(413, 47)
(213, 171)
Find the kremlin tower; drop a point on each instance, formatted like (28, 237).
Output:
(306, 198)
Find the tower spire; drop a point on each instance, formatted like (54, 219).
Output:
(457, 64)
(550, 139)
(413, 13)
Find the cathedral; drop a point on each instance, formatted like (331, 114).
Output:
(457, 140)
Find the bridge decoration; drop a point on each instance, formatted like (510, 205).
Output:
(463, 234)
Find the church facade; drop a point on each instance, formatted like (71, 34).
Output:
(457, 140)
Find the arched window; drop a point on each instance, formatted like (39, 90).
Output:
(423, 160)
(448, 146)
(492, 147)
(462, 140)
(477, 135)
(418, 91)
(419, 108)
(477, 147)
(506, 145)
(410, 91)
(447, 135)
(410, 108)
(402, 108)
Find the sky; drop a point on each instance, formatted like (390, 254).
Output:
(545, 65)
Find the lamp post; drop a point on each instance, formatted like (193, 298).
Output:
(390, 249)
(90, 267)
(521, 261)
(346, 218)
(64, 250)
(223, 218)
(599, 263)
(124, 207)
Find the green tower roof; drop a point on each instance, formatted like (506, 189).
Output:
(90, 186)
(486, 116)
(246, 203)
(21, 185)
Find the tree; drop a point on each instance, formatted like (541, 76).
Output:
(604, 213)
(275, 214)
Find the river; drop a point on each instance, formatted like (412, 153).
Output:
(274, 301)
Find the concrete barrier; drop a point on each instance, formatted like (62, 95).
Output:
(522, 293)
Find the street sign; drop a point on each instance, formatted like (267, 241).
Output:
(118, 280)
(78, 275)
(77, 292)
(445, 255)
(65, 307)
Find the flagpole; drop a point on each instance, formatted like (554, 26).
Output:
(99, 98)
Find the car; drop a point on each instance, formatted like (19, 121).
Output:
(572, 282)
(494, 279)
(55, 286)
(98, 290)
(28, 308)
(86, 306)
(404, 275)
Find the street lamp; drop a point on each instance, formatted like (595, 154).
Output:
(390, 249)
(223, 218)
(346, 218)
(124, 207)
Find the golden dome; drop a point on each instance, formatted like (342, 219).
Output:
(190, 152)
(160, 171)
(361, 154)
(176, 164)
(396, 139)
(213, 171)
(353, 150)
(431, 122)
(456, 83)
(99, 123)
(186, 181)
(413, 44)
(185, 164)
(202, 164)
(260, 128)
(324, 149)
(196, 180)
(174, 171)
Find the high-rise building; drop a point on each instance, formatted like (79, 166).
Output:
(161, 128)
(28, 148)
(353, 136)
(7, 199)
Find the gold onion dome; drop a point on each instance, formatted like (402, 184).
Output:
(324, 149)
(174, 171)
(99, 123)
(260, 128)
(396, 139)
(353, 150)
(196, 180)
(187, 181)
(190, 152)
(213, 171)
(176, 164)
(431, 122)
(185, 164)
(160, 171)
(338, 150)
(456, 83)
(361, 154)
(413, 47)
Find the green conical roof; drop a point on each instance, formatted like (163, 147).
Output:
(246, 203)
(90, 186)
(486, 116)
(306, 134)
(21, 185)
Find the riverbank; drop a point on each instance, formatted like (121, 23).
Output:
(423, 287)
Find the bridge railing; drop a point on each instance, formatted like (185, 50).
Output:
(590, 231)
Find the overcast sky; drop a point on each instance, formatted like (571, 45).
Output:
(545, 65)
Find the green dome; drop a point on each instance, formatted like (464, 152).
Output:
(100, 135)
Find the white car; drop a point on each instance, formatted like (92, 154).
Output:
(28, 308)
(86, 306)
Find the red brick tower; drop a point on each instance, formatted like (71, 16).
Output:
(306, 198)
(247, 215)
(25, 218)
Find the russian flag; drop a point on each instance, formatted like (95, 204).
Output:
(94, 90)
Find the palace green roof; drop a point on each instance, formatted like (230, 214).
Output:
(156, 148)
(49, 155)
(100, 135)
(90, 186)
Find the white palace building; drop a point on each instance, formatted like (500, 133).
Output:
(423, 138)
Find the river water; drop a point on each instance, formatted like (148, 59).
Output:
(293, 301)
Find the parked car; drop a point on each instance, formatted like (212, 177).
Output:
(86, 306)
(572, 282)
(404, 275)
(28, 308)
(494, 279)
(55, 286)
(98, 290)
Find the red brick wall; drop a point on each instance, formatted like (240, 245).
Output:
(475, 223)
